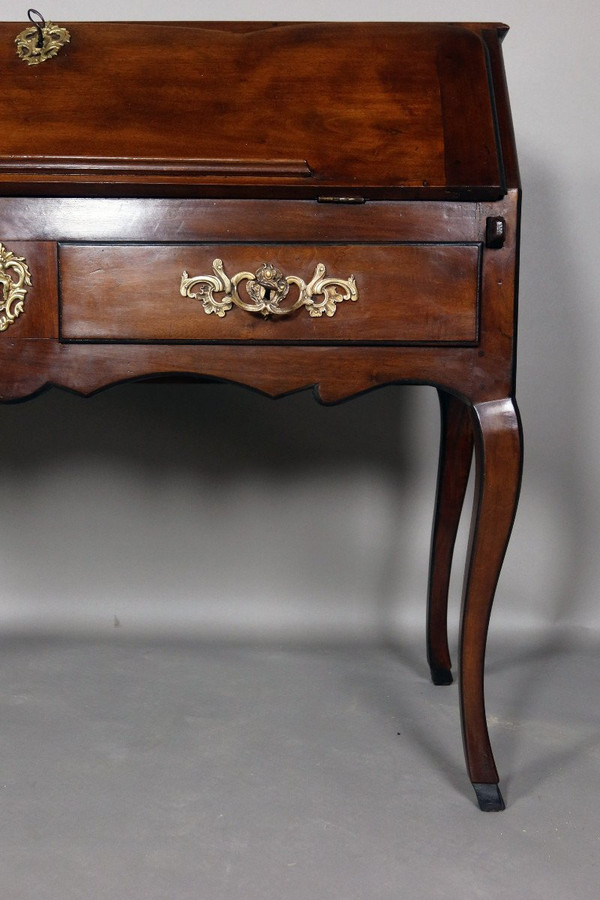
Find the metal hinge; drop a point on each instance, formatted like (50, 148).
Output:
(341, 200)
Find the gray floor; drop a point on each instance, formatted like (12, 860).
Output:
(137, 769)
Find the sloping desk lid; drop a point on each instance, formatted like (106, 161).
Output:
(252, 110)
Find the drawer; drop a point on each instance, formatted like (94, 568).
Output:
(234, 292)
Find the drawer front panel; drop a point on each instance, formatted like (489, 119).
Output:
(328, 293)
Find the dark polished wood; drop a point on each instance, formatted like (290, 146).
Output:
(433, 299)
(456, 451)
(498, 455)
(404, 101)
(381, 151)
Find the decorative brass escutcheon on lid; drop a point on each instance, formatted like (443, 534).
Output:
(41, 41)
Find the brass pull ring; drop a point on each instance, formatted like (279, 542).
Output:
(266, 290)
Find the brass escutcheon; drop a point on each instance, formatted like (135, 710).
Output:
(13, 291)
(41, 41)
(267, 288)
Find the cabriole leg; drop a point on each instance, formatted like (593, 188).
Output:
(456, 451)
(498, 455)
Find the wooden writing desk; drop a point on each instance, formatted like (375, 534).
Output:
(282, 206)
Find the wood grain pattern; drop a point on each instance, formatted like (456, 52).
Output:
(202, 220)
(407, 293)
(379, 118)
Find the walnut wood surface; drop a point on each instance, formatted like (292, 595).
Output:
(481, 372)
(394, 110)
(499, 461)
(478, 373)
(407, 293)
(202, 220)
(456, 451)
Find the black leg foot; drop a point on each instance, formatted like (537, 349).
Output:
(489, 797)
(441, 676)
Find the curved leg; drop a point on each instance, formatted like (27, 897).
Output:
(456, 451)
(498, 455)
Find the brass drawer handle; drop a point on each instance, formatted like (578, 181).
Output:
(266, 289)
(12, 292)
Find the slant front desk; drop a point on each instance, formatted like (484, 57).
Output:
(283, 206)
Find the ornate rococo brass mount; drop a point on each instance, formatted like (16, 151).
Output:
(41, 41)
(13, 291)
(267, 288)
